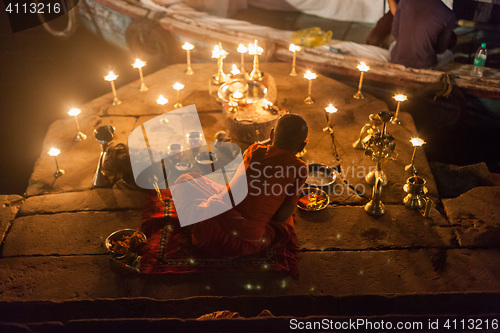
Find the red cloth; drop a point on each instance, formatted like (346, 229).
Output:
(272, 175)
(169, 248)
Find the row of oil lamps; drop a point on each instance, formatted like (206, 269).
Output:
(372, 141)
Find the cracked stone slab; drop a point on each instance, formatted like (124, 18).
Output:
(92, 200)
(56, 278)
(453, 180)
(66, 233)
(341, 194)
(398, 272)
(78, 159)
(9, 206)
(351, 228)
(337, 273)
(475, 216)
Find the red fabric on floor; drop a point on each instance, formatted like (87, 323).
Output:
(169, 248)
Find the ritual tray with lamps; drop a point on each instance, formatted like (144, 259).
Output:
(250, 115)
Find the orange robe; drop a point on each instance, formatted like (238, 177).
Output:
(272, 175)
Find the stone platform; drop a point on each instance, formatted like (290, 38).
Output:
(53, 237)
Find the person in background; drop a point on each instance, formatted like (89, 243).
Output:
(424, 34)
(384, 25)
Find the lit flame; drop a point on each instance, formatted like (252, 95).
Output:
(218, 52)
(310, 75)
(267, 103)
(237, 94)
(417, 142)
(242, 48)
(138, 63)
(363, 67)
(400, 97)
(235, 70)
(294, 48)
(178, 86)
(188, 46)
(111, 76)
(74, 112)
(54, 152)
(254, 49)
(162, 100)
(331, 109)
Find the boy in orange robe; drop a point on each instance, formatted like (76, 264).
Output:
(274, 177)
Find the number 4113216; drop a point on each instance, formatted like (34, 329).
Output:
(33, 8)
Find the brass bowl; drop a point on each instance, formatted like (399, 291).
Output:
(320, 175)
(307, 191)
(117, 235)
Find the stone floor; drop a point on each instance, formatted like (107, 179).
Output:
(53, 238)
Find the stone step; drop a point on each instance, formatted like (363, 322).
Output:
(336, 273)
(92, 200)
(351, 228)
(470, 304)
(66, 233)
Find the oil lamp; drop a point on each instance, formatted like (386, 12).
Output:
(293, 48)
(242, 49)
(380, 148)
(362, 67)
(235, 71)
(329, 110)
(54, 152)
(399, 98)
(220, 54)
(367, 131)
(79, 135)
(161, 101)
(267, 105)
(104, 135)
(111, 77)
(139, 64)
(310, 76)
(237, 97)
(416, 142)
(416, 197)
(375, 207)
(188, 47)
(178, 86)
(255, 50)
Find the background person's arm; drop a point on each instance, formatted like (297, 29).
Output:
(392, 6)
(395, 23)
(447, 38)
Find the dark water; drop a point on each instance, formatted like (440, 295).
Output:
(41, 78)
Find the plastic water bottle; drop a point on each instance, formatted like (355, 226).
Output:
(479, 61)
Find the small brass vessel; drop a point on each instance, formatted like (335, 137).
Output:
(417, 195)
(375, 207)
